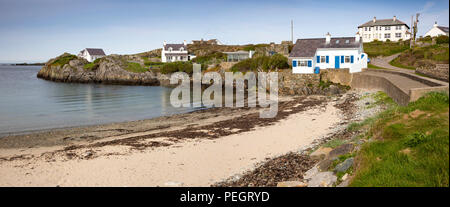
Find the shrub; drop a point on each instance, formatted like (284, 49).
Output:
(442, 39)
(211, 58)
(176, 67)
(264, 63)
(415, 139)
(92, 66)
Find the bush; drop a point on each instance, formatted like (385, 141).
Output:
(212, 58)
(176, 67)
(442, 39)
(264, 63)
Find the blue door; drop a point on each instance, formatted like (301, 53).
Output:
(336, 62)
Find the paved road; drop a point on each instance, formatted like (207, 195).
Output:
(384, 63)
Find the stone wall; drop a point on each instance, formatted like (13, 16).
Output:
(306, 84)
(440, 71)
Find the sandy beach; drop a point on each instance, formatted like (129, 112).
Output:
(195, 149)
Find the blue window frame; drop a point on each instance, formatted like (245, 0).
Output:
(294, 63)
(328, 59)
(342, 59)
(318, 59)
(351, 59)
(362, 56)
(309, 63)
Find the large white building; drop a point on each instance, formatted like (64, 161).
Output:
(175, 52)
(437, 31)
(384, 29)
(91, 54)
(311, 55)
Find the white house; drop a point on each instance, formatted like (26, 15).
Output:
(437, 31)
(175, 52)
(91, 54)
(311, 55)
(384, 29)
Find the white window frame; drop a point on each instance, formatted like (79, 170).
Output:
(387, 35)
(347, 59)
(398, 35)
(387, 28)
(302, 63)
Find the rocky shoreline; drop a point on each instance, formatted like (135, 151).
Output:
(109, 70)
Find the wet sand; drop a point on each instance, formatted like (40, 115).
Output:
(195, 149)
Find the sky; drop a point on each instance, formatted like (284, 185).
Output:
(37, 30)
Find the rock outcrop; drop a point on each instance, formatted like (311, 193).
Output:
(108, 70)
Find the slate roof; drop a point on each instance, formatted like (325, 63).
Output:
(383, 22)
(95, 51)
(175, 46)
(444, 29)
(308, 47)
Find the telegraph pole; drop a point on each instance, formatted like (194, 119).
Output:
(292, 31)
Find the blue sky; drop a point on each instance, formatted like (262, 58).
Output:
(37, 30)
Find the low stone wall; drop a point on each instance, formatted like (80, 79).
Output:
(341, 76)
(440, 71)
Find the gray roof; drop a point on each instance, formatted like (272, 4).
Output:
(383, 22)
(175, 46)
(444, 29)
(308, 47)
(95, 51)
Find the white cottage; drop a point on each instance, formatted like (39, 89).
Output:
(91, 54)
(175, 52)
(437, 31)
(311, 55)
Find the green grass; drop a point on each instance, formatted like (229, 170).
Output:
(378, 48)
(63, 59)
(92, 66)
(410, 147)
(265, 63)
(135, 67)
(253, 47)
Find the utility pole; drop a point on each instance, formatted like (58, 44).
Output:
(414, 27)
(292, 31)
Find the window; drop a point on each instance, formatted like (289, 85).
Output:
(302, 63)
(181, 48)
(369, 35)
(337, 41)
(323, 59)
(365, 28)
(398, 35)
(399, 27)
(387, 35)
(170, 49)
(347, 41)
(387, 28)
(370, 28)
(347, 59)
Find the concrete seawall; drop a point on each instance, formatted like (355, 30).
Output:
(401, 87)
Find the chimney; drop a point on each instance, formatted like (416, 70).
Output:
(394, 19)
(328, 38)
(374, 19)
(435, 24)
(357, 37)
(184, 42)
(164, 43)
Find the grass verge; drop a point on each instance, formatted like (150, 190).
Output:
(409, 145)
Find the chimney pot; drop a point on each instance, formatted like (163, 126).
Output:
(374, 19)
(395, 18)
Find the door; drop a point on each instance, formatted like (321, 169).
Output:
(336, 62)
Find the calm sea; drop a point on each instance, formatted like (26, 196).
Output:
(28, 103)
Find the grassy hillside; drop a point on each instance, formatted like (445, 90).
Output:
(378, 48)
(421, 56)
(408, 146)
